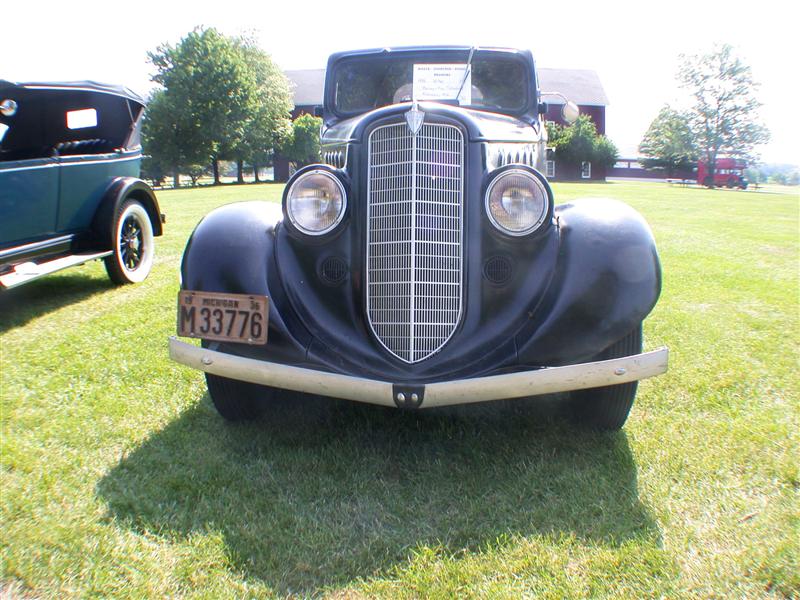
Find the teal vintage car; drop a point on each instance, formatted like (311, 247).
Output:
(70, 192)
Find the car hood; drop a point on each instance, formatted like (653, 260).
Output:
(481, 126)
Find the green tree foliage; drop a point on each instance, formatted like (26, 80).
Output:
(773, 173)
(173, 145)
(268, 125)
(779, 178)
(159, 140)
(605, 153)
(724, 113)
(580, 142)
(754, 176)
(210, 91)
(223, 99)
(153, 171)
(302, 145)
(554, 133)
(668, 143)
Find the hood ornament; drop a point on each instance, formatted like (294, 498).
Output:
(414, 119)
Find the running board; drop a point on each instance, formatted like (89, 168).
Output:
(25, 272)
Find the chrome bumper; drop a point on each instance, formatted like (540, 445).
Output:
(462, 391)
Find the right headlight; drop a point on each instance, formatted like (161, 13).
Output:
(517, 202)
(315, 202)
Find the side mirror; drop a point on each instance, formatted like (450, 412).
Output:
(318, 111)
(8, 108)
(570, 112)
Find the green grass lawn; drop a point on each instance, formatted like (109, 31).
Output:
(119, 480)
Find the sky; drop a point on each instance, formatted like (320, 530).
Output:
(633, 46)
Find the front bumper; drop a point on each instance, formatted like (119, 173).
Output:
(462, 391)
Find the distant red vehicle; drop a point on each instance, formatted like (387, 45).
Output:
(729, 173)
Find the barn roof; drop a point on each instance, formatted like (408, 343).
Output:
(582, 86)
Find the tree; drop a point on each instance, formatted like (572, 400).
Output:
(754, 176)
(268, 124)
(212, 95)
(302, 145)
(173, 145)
(605, 153)
(580, 142)
(668, 143)
(153, 171)
(724, 114)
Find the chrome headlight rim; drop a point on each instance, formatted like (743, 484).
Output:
(299, 176)
(539, 180)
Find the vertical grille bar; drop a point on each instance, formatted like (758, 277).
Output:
(414, 237)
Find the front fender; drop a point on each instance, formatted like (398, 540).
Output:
(608, 280)
(232, 250)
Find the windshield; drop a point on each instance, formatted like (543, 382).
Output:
(499, 83)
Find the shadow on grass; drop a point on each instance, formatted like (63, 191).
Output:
(319, 495)
(27, 302)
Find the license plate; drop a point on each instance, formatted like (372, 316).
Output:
(238, 318)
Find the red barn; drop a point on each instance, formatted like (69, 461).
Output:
(583, 87)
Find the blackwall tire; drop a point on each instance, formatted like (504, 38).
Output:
(238, 400)
(134, 245)
(607, 408)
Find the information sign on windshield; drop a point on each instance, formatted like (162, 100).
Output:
(442, 82)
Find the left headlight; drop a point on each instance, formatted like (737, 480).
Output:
(316, 202)
(517, 202)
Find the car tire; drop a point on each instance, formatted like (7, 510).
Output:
(134, 246)
(607, 408)
(238, 400)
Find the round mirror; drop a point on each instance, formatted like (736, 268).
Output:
(570, 112)
(8, 108)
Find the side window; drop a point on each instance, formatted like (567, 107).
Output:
(3, 129)
(586, 169)
(550, 169)
(82, 119)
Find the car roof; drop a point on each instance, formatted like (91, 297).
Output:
(416, 49)
(83, 86)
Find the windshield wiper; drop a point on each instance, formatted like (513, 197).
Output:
(467, 71)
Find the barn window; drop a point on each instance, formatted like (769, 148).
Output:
(586, 169)
(550, 168)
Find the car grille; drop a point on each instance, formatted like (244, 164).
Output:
(414, 237)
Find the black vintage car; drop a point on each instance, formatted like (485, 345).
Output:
(423, 262)
(69, 186)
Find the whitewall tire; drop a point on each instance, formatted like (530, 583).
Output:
(134, 248)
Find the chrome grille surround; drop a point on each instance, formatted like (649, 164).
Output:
(415, 191)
